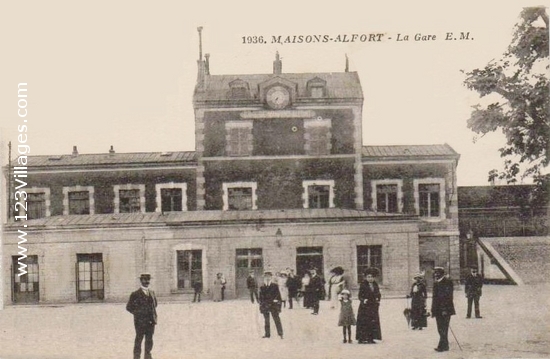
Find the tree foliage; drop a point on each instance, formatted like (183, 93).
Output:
(519, 82)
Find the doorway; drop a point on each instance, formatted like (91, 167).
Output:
(308, 258)
(247, 260)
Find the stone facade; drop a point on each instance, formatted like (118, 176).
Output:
(279, 179)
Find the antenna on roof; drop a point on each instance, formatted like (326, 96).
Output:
(347, 64)
(199, 29)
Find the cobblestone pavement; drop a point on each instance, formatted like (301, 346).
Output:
(514, 325)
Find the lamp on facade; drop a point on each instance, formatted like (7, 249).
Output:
(279, 237)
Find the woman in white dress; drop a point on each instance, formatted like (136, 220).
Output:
(283, 289)
(336, 284)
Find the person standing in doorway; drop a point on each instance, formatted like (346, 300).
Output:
(442, 307)
(293, 284)
(197, 287)
(142, 304)
(474, 282)
(316, 290)
(252, 286)
(270, 304)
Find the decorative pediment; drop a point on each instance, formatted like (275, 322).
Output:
(292, 87)
(316, 87)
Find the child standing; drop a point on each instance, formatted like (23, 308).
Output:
(347, 318)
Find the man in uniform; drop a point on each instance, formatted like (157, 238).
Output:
(270, 303)
(442, 307)
(474, 282)
(142, 304)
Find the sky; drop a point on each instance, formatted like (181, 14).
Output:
(122, 73)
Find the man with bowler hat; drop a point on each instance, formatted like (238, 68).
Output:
(473, 285)
(270, 303)
(142, 304)
(442, 307)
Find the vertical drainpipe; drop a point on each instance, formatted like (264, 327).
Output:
(143, 254)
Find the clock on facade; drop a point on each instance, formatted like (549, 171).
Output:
(278, 97)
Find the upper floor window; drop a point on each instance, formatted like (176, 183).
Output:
(37, 204)
(239, 196)
(239, 89)
(317, 135)
(387, 196)
(238, 138)
(78, 200)
(430, 197)
(129, 198)
(316, 87)
(171, 197)
(318, 194)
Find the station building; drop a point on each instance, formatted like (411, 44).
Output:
(279, 178)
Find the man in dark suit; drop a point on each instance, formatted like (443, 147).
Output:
(442, 306)
(270, 303)
(316, 288)
(252, 286)
(474, 282)
(142, 304)
(293, 284)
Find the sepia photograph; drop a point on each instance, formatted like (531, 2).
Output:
(294, 180)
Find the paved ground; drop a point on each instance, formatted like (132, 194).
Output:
(515, 325)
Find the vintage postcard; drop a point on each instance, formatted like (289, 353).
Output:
(280, 180)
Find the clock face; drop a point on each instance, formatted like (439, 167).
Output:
(278, 97)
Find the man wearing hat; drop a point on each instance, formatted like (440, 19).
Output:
(442, 306)
(270, 303)
(316, 287)
(142, 304)
(473, 285)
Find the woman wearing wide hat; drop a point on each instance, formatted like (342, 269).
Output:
(418, 303)
(368, 319)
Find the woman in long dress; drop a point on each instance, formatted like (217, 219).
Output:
(217, 290)
(283, 288)
(418, 303)
(336, 285)
(307, 303)
(368, 319)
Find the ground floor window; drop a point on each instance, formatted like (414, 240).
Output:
(89, 272)
(369, 257)
(189, 264)
(247, 260)
(25, 286)
(308, 258)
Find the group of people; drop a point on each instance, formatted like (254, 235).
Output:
(272, 296)
(442, 302)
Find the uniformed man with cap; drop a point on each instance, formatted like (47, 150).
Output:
(442, 306)
(472, 287)
(142, 304)
(270, 303)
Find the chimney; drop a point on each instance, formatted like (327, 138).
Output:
(277, 65)
(111, 150)
(75, 151)
(347, 64)
(207, 64)
(200, 64)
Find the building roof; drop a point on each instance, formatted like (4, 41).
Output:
(339, 85)
(188, 218)
(378, 153)
(115, 160)
(482, 197)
